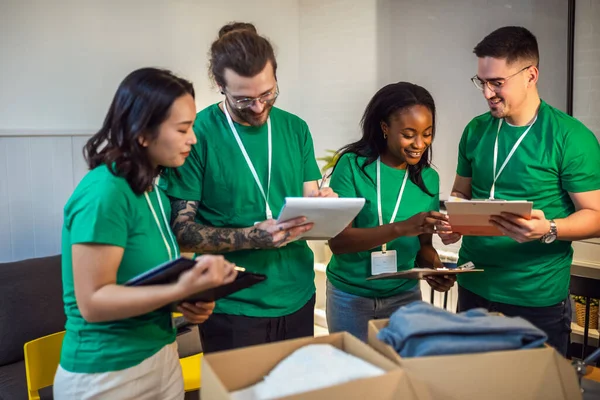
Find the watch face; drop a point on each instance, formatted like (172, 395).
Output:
(549, 239)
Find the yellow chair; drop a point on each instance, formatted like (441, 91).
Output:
(190, 367)
(42, 356)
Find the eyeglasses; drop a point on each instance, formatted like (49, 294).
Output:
(495, 84)
(267, 98)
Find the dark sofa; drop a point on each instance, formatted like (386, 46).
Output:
(31, 306)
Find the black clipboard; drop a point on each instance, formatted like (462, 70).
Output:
(162, 274)
(169, 273)
(243, 280)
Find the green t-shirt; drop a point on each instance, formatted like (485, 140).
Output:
(348, 272)
(218, 177)
(103, 209)
(559, 155)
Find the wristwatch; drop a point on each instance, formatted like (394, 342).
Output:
(551, 235)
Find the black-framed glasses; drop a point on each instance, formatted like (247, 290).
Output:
(494, 84)
(266, 98)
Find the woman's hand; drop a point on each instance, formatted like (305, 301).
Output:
(209, 272)
(196, 313)
(425, 222)
(441, 283)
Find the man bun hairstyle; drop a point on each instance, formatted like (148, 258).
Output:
(240, 48)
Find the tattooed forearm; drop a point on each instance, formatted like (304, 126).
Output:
(194, 237)
(198, 238)
(206, 239)
(177, 206)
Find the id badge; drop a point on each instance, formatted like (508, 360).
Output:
(383, 262)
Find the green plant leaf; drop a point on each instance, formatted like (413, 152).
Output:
(330, 160)
(582, 300)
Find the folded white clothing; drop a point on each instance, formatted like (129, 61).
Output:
(311, 367)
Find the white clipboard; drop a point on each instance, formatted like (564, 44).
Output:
(329, 215)
(472, 217)
(421, 273)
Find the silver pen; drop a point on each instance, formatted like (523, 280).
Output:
(322, 184)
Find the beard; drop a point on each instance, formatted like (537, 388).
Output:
(498, 110)
(250, 117)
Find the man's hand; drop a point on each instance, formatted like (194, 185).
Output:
(520, 229)
(270, 234)
(198, 238)
(324, 192)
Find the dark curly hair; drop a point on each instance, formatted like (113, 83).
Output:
(385, 104)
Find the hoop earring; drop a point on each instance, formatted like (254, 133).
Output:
(385, 135)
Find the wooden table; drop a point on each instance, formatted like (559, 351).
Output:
(585, 269)
(595, 375)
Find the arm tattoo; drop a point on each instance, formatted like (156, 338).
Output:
(198, 238)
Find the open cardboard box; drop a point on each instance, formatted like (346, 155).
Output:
(228, 371)
(517, 374)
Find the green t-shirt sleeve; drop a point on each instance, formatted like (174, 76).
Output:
(188, 185)
(580, 167)
(342, 180)
(464, 168)
(101, 217)
(311, 169)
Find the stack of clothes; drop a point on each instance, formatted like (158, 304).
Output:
(420, 329)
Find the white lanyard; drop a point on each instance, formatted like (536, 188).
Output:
(384, 246)
(249, 162)
(162, 210)
(512, 151)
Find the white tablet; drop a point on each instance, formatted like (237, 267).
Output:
(472, 217)
(330, 215)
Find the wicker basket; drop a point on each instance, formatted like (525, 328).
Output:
(580, 312)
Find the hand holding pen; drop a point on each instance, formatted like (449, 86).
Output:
(324, 190)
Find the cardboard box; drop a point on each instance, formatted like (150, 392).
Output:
(518, 374)
(228, 371)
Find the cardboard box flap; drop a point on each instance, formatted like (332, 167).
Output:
(522, 374)
(388, 351)
(229, 371)
(568, 376)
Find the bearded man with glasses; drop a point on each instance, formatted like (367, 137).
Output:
(249, 156)
(525, 149)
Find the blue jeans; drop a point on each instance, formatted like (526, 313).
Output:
(350, 313)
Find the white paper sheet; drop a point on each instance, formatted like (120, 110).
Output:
(311, 367)
(330, 215)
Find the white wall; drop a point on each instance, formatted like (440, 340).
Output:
(586, 87)
(338, 63)
(37, 176)
(432, 45)
(62, 60)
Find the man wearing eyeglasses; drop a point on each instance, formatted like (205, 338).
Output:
(525, 149)
(249, 156)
